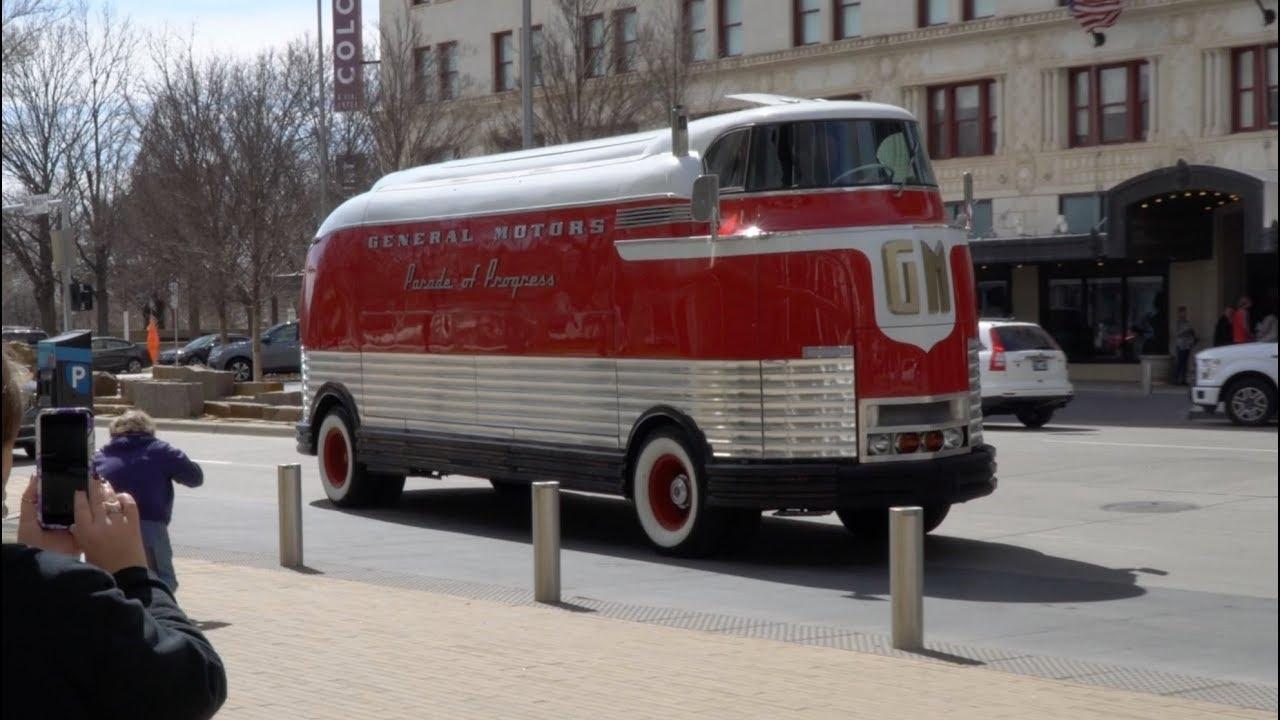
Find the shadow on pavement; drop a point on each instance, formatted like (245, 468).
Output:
(784, 550)
(1015, 426)
(1124, 407)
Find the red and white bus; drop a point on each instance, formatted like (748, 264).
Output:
(563, 314)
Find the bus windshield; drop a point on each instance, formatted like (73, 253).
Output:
(837, 153)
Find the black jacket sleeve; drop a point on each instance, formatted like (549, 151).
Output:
(149, 660)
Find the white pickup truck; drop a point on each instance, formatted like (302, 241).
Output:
(1241, 377)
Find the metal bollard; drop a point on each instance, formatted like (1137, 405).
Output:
(546, 542)
(1146, 377)
(906, 576)
(289, 481)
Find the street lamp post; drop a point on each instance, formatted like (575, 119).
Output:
(34, 205)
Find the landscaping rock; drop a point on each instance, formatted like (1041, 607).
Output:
(281, 397)
(169, 399)
(102, 408)
(282, 413)
(217, 409)
(127, 386)
(245, 410)
(216, 383)
(105, 384)
(257, 388)
(177, 373)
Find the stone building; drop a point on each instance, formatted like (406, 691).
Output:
(1115, 183)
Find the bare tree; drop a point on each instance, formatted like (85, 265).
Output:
(100, 161)
(22, 22)
(43, 122)
(409, 117)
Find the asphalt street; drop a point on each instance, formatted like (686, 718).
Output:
(1121, 533)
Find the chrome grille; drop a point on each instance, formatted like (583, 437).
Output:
(810, 408)
(975, 395)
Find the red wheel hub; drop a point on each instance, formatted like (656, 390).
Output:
(670, 492)
(335, 458)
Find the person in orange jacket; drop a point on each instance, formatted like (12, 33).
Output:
(1241, 328)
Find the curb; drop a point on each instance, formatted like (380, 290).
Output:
(259, 429)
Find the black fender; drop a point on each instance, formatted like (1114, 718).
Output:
(655, 417)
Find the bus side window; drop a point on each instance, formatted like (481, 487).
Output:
(727, 157)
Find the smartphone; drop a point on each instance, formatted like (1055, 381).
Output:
(64, 452)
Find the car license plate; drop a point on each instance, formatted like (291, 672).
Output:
(1039, 364)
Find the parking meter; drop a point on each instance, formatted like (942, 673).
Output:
(64, 370)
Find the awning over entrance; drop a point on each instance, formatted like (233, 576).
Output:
(1257, 192)
(1049, 248)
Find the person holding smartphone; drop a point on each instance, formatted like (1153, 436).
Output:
(137, 462)
(102, 638)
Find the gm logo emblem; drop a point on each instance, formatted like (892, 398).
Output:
(903, 277)
(79, 379)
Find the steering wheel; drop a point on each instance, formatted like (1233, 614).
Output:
(885, 171)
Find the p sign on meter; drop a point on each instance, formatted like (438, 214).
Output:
(79, 378)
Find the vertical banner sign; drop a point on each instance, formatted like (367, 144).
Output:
(348, 78)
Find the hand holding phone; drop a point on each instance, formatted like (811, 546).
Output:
(31, 534)
(64, 450)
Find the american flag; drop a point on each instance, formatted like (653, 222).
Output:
(1094, 15)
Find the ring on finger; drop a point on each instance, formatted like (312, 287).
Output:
(113, 508)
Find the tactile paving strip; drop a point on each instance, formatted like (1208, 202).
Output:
(1154, 682)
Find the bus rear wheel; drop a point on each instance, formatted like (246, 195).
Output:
(346, 482)
(669, 494)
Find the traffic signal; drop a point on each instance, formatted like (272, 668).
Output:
(81, 296)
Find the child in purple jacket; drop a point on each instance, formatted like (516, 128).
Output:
(135, 461)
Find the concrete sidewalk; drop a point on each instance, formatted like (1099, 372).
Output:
(302, 645)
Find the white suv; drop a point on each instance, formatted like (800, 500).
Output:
(1023, 371)
(1241, 377)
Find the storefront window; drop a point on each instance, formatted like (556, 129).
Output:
(1108, 318)
(1082, 212)
(993, 299)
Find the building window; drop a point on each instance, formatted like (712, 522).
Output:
(977, 9)
(1082, 212)
(931, 12)
(848, 17)
(1253, 88)
(593, 56)
(626, 39)
(422, 71)
(982, 223)
(730, 28)
(447, 68)
(1108, 104)
(962, 119)
(504, 62)
(695, 24)
(806, 22)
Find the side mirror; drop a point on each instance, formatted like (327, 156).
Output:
(266, 339)
(706, 198)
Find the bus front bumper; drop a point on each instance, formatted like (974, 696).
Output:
(806, 485)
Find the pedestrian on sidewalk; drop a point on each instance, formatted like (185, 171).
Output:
(1241, 328)
(1222, 331)
(137, 462)
(1185, 339)
(102, 638)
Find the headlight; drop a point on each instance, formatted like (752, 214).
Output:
(952, 438)
(879, 444)
(1208, 366)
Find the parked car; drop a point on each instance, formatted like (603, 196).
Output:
(1241, 377)
(113, 354)
(197, 351)
(30, 336)
(281, 353)
(1023, 371)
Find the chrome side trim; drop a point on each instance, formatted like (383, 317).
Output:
(801, 408)
(809, 407)
(320, 367)
(722, 397)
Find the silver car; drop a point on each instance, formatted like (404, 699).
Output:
(281, 353)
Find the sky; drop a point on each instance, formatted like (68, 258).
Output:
(241, 27)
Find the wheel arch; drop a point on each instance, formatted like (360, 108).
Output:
(1244, 375)
(652, 420)
(328, 396)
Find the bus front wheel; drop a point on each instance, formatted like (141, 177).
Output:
(669, 493)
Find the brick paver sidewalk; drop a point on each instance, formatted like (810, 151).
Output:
(308, 646)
